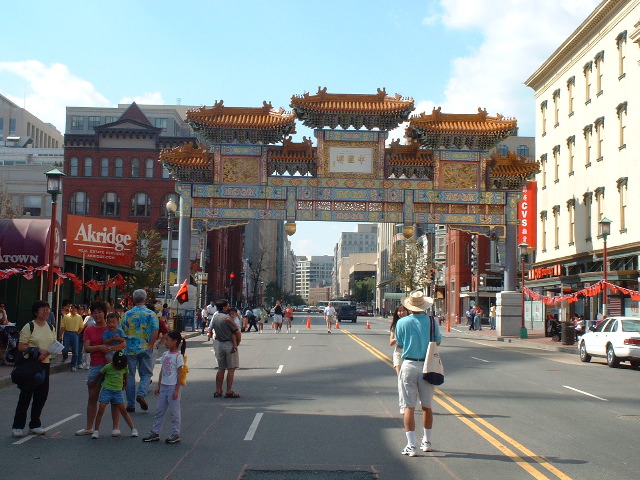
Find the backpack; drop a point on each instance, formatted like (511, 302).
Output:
(31, 326)
(28, 373)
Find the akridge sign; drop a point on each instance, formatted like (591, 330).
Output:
(101, 240)
(527, 232)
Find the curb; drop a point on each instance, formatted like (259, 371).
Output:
(526, 343)
(5, 381)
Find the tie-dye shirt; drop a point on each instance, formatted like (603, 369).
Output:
(138, 324)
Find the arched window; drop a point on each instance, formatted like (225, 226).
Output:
(523, 151)
(110, 204)
(73, 167)
(88, 167)
(140, 205)
(166, 198)
(148, 168)
(104, 167)
(118, 168)
(135, 167)
(79, 204)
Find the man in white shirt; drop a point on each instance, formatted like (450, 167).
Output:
(329, 316)
(207, 315)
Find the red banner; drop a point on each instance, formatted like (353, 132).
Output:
(527, 214)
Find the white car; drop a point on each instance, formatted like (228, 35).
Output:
(616, 338)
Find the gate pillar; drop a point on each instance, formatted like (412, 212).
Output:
(184, 235)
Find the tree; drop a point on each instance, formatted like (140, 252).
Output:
(363, 290)
(148, 262)
(272, 292)
(256, 269)
(7, 209)
(409, 266)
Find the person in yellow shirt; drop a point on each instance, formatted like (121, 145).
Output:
(70, 329)
(37, 333)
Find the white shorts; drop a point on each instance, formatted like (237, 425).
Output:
(412, 385)
(397, 357)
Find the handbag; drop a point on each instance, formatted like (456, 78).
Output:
(433, 371)
(29, 372)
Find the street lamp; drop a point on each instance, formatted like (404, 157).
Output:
(523, 248)
(54, 187)
(604, 227)
(171, 209)
(261, 293)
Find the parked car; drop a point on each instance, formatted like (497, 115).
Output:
(361, 312)
(617, 339)
(346, 313)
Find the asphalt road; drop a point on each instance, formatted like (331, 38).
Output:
(324, 406)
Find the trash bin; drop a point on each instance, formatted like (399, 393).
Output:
(568, 333)
(178, 322)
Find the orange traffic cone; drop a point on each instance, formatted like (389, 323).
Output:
(368, 324)
(338, 325)
(273, 325)
(308, 322)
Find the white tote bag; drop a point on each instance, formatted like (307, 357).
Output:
(433, 371)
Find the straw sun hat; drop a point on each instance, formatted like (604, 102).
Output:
(417, 302)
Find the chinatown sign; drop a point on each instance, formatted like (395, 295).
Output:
(101, 240)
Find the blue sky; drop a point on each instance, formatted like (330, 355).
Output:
(458, 54)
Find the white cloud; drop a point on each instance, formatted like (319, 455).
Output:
(147, 98)
(51, 88)
(517, 37)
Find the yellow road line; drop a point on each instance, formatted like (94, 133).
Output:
(476, 423)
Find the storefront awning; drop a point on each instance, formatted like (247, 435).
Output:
(394, 296)
(26, 242)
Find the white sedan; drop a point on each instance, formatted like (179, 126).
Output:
(616, 338)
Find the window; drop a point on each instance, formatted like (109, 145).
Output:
(88, 167)
(571, 83)
(140, 205)
(104, 167)
(587, 84)
(77, 123)
(110, 204)
(543, 110)
(176, 199)
(118, 170)
(161, 123)
(32, 205)
(556, 226)
(543, 170)
(110, 119)
(523, 151)
(588, 200)
(93, 122)
(599, 123)
(503, 150)
(587, 143)
(148, 168)
(599, 59)
(571, 211)
(556, 163)
(621, 110)
(599, 193)
(73, 167)
(165, 172)
(621, 43)
(543, 221)
(622, 193)
(135, 167)
(79, 204)
(556, 100)
(571, 143)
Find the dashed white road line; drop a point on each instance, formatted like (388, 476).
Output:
(253, 427)
(29, 437)
(289, 347)
(585, 393)
(280, 369)
(480, 359)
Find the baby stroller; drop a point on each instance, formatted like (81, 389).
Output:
(9, 338)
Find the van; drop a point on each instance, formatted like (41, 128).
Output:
(346, 313)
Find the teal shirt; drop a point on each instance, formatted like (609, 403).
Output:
(138, 324)
(413, 333)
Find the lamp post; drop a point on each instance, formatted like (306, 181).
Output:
(523, 248)
(171, 209)
(54, 187)
(261, 293)
(604, 231)
(232, 276)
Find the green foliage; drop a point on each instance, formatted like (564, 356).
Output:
(364, 290)
(7, 209)
(409, 266)
(149, 262)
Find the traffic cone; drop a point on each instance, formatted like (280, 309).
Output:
(308, 322)
(337, 325)
(368, 324)
(273, 325)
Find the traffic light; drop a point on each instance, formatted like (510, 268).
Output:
(482, 280)
(232, 276)
(433, 275)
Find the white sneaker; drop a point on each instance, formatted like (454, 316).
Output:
(134, 432)
(17, 433)
(115, 432)
(425, 446)
(37, 431)
(84, 431)
(409, 450)
(95, 434)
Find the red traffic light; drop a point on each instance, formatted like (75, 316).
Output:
(232, 275)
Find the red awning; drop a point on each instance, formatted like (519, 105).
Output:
(26, 242)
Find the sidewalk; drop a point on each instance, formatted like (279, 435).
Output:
(56, 366)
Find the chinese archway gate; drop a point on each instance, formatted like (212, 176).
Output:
(248, 168)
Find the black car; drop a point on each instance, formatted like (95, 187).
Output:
(346, 313)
